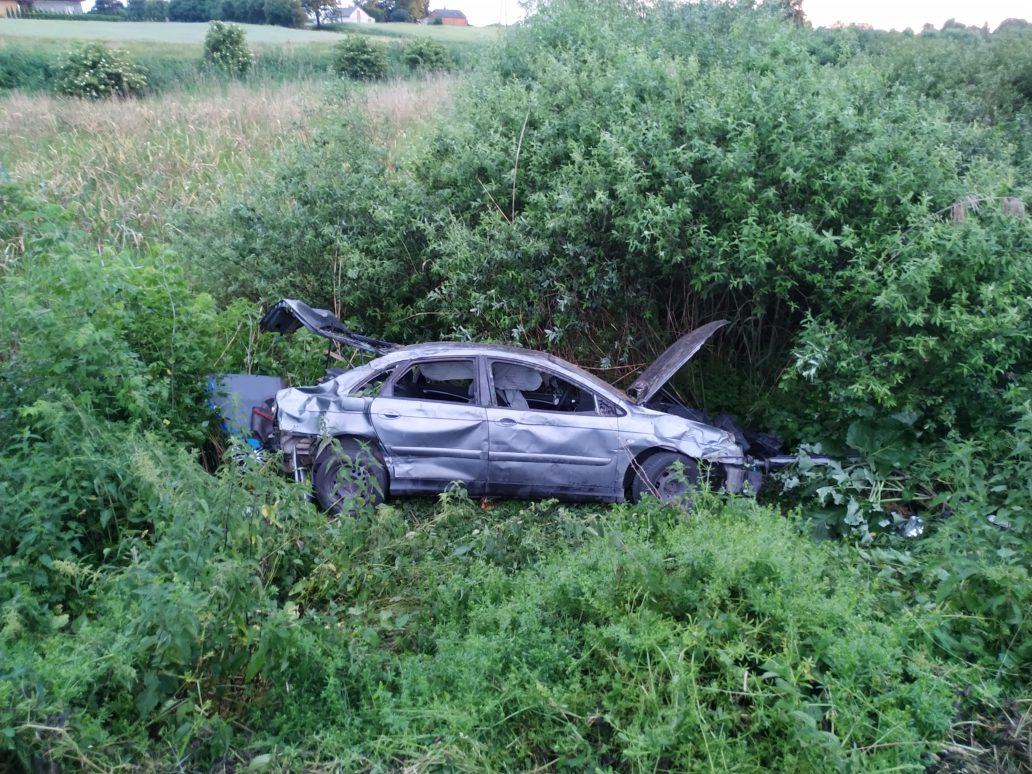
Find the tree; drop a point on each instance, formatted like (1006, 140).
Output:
(107, 7)
(147, 10)
(284, 13)
(372, 7)
(317, 7)
(402, 10)
(794, 12)
(190, 10)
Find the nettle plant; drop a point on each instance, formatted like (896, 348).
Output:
(94, 71)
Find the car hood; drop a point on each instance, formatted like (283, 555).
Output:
(290, 314)
(670, 362)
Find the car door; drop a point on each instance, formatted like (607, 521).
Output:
(432, 426)
(550, 436)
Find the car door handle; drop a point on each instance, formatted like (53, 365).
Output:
(507, 421)
(391, 415)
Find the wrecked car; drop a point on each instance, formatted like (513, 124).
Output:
(501, 420)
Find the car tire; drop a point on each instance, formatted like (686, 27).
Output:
(349, 476)
(659, 476)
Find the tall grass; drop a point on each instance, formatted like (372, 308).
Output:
(129, 165)
(138, 170)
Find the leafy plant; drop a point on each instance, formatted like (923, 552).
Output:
(225, 47)
(426, 55)
(358, 58)
(93, 71)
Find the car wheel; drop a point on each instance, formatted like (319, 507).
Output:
(672, 478)
(348, 477)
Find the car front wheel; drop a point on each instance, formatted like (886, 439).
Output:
(349, 477)
(670, 477)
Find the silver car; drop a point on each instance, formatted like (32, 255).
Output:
(501, 420)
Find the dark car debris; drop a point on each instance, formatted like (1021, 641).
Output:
(503, 421)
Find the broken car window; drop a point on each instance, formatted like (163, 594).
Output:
(520, 386)
(372, 387)
(445, 380)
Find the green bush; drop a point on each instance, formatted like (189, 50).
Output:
(94, 71)
(424, 54)
(803, 198)
(225, 47)
(25, 68)
(358, 58)
(152, 611)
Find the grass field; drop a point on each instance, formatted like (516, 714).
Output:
(157, 32)
(131, 166)
(193, 33)
(136, 168)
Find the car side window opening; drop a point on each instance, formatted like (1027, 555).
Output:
(520, 386)
(371, 387)
(451, 381)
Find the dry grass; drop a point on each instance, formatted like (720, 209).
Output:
(128, 164)
(132, 166)
(403, 105)
(990, 745)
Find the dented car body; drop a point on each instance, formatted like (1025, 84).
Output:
(501, 420)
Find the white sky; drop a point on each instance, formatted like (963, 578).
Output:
(483, 12)
(900, 14)
(881, 14)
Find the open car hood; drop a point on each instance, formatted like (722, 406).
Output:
(290, 314)
(670, 362)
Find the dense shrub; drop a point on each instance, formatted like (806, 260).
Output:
(25, 68)
(358, 58)
(94, 71)
(152, 611)
(803, 199)
(424, 54)
(225, 47)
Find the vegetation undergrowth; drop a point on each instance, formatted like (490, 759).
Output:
(596, 190)
(152, 610)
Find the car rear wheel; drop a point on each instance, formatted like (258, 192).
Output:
(347, 477)
(672, 478)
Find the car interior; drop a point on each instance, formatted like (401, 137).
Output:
(520, 386)
(451, 381)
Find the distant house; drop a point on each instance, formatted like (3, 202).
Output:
(349, 15)
(41, 6)
(444, 16)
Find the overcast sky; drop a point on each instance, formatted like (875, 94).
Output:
(882, 14)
